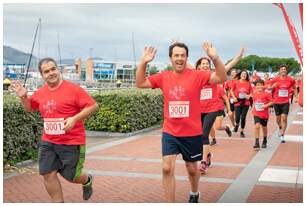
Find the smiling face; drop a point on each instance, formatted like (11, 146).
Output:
(204, 65)
(243, 75)
(282, 71)
(50, 73)
(178, 59)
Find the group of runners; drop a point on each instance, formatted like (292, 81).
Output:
(194, 105)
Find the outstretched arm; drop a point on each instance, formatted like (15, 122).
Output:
(235, 60)
(219, 76)
(147, 56)
(22, 93)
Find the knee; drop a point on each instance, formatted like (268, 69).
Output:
(168, 170)
(257, 126)
(192, 169)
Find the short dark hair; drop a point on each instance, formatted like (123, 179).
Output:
(259, 81)
(178, 44)
(45, 60)
(283, 65)
(199, 61)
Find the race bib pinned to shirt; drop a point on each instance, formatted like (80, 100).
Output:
(259, 106)
(179, 109)
(206, 94)
(283, 93)
(54, 126)
(242, 95)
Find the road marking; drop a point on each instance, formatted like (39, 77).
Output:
(293, 138)
(297, 122)
(281, 175)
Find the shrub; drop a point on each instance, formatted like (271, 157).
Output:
(21, 131)
(126, 110)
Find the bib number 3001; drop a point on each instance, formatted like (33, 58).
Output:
(54, 126)
(178, 109)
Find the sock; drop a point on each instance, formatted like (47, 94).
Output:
(88, 180)
(193, 193)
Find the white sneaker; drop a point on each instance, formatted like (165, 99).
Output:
(282, 139)
(279, 133)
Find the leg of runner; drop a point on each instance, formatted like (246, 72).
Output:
(219, 125)
(284, 126)
(238, 111)
(279, 123)
(194, 177)
(212, 134)
(232, 115)
(53, 186)
(256, 135)
(265, 135)
(168, 177)
(244, 113)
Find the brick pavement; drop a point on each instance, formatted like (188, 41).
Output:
(131, 171)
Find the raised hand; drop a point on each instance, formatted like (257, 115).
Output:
(210, 50)
(18, 89)
(148, 54)
(242, 50)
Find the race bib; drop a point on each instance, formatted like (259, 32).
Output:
(283, 93)
(206, 94)
(259, 106)
(54, 126)
(178, 109)
(242, 95)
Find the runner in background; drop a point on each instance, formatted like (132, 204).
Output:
(267, 85)
(241, 90)
(182, 131)
(210, 107)
(228, 86)
(282, 85)
(262, 102)
(218, 125)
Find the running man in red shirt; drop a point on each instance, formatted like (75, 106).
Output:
(182, 131)
(282, 85)
(63, 107)
(261, 103)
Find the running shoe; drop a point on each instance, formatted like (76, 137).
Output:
(282, 139)
(209, 156)
(242, 134)
(228, 130)
(236, 128)
(256, 146)
(87, 188)
(203, 167)
(213, 142)
(264, 144)
(194, 198)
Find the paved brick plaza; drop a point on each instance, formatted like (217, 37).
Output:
(129, 170)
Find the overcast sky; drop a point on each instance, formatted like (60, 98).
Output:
(108, 28)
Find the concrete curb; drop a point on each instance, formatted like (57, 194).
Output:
(115, 134)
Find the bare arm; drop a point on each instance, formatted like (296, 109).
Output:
(22, 93)
(235, 60)
(219, 76)
(147, 56)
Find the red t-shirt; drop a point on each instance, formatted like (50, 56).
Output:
(283, 89)
(55, 106)
(301, 92)
(267, 85)
(220, 94)
(259, 99)
(209, 98)
(240, 89)
(228, 85)
(182, 114)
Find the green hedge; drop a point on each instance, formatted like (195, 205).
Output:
(21, 131)
(126, 110)
(119, 111)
